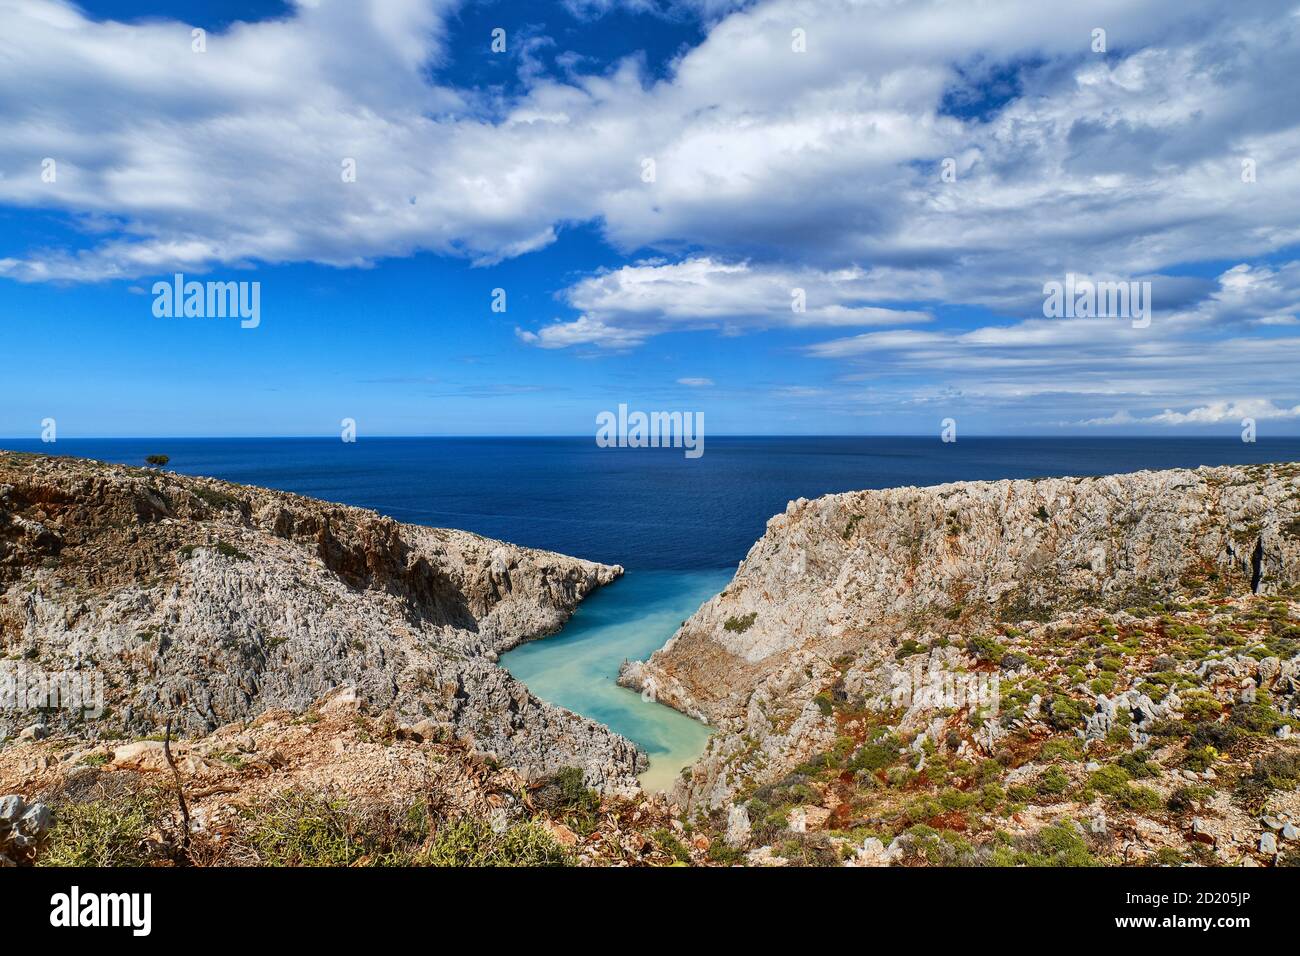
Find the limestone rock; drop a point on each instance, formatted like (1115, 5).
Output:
(210, 603)
(738, 826)
(874, 565)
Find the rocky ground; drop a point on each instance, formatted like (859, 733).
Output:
(206, 603)
(1061, 672)
(333, 785)
(1058, 671)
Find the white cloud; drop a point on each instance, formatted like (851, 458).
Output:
(1212, 413)
(1118, 163)
(625, 306)
(1104, 363)
(775, 170)
(695, 382)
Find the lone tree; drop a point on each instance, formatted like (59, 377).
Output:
(159, 461)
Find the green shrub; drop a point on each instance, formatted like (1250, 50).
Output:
(1138, 799)
(909, 648)
(298, 829)
(1054, 781)
(876, 756)
(1064, 713)
(471, 842)
(741, 624)
(218, 500)
(1200, 706)
(667, 841)
(1199, 758)
(1138, 765)
(230, 551)
(1063, 845)
(1185, 799)
(1059, 844)
(1277, 771)
(721, 852)
(1109, 779)
(566, 792)
(1219, 736)
(953, 799)
(105, 833)
(1256, 717)
(985, 647)
(1113, 781)
(1103, 684)
(1013, 660)
(1062, 748)
(295, 829)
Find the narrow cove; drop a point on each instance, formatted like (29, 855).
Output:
(627, 620)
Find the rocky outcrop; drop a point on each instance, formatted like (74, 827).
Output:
(849, 577)
(22, 826)
(204, 603)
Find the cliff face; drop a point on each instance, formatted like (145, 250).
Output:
(206, 603)
(842, 582)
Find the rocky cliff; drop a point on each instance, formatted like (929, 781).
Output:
(1071, 592)
(208, 603)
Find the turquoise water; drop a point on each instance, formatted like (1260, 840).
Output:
(627, 620)
(540, 492)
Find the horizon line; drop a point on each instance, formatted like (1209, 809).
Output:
(588, 435)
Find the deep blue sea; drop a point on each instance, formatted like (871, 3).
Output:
(678, 525)
(644, 508)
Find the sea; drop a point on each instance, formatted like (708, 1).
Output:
(679, 526)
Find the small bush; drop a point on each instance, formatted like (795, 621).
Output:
(1185, 799)
(985, 647)
(876, 756)
(1114, 782)
(1200, 706)
(1138, 799)
(1057, 845)
(1109, 780)
(1256, 717)
(1062, 748)
(300, 830)
(470, 842)
(105, 833)
(297, 829)
(909, 648)
(1012, 660)
(667, 841)
(230, 551)
(1216, 735)
(1277, 771)
(1054, 781)
(566, 792)
(741, 624)
(1063, 713)
(1138, 765)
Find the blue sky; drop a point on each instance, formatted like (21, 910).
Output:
(776, 169)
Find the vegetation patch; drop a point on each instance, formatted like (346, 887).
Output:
(740, 624)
